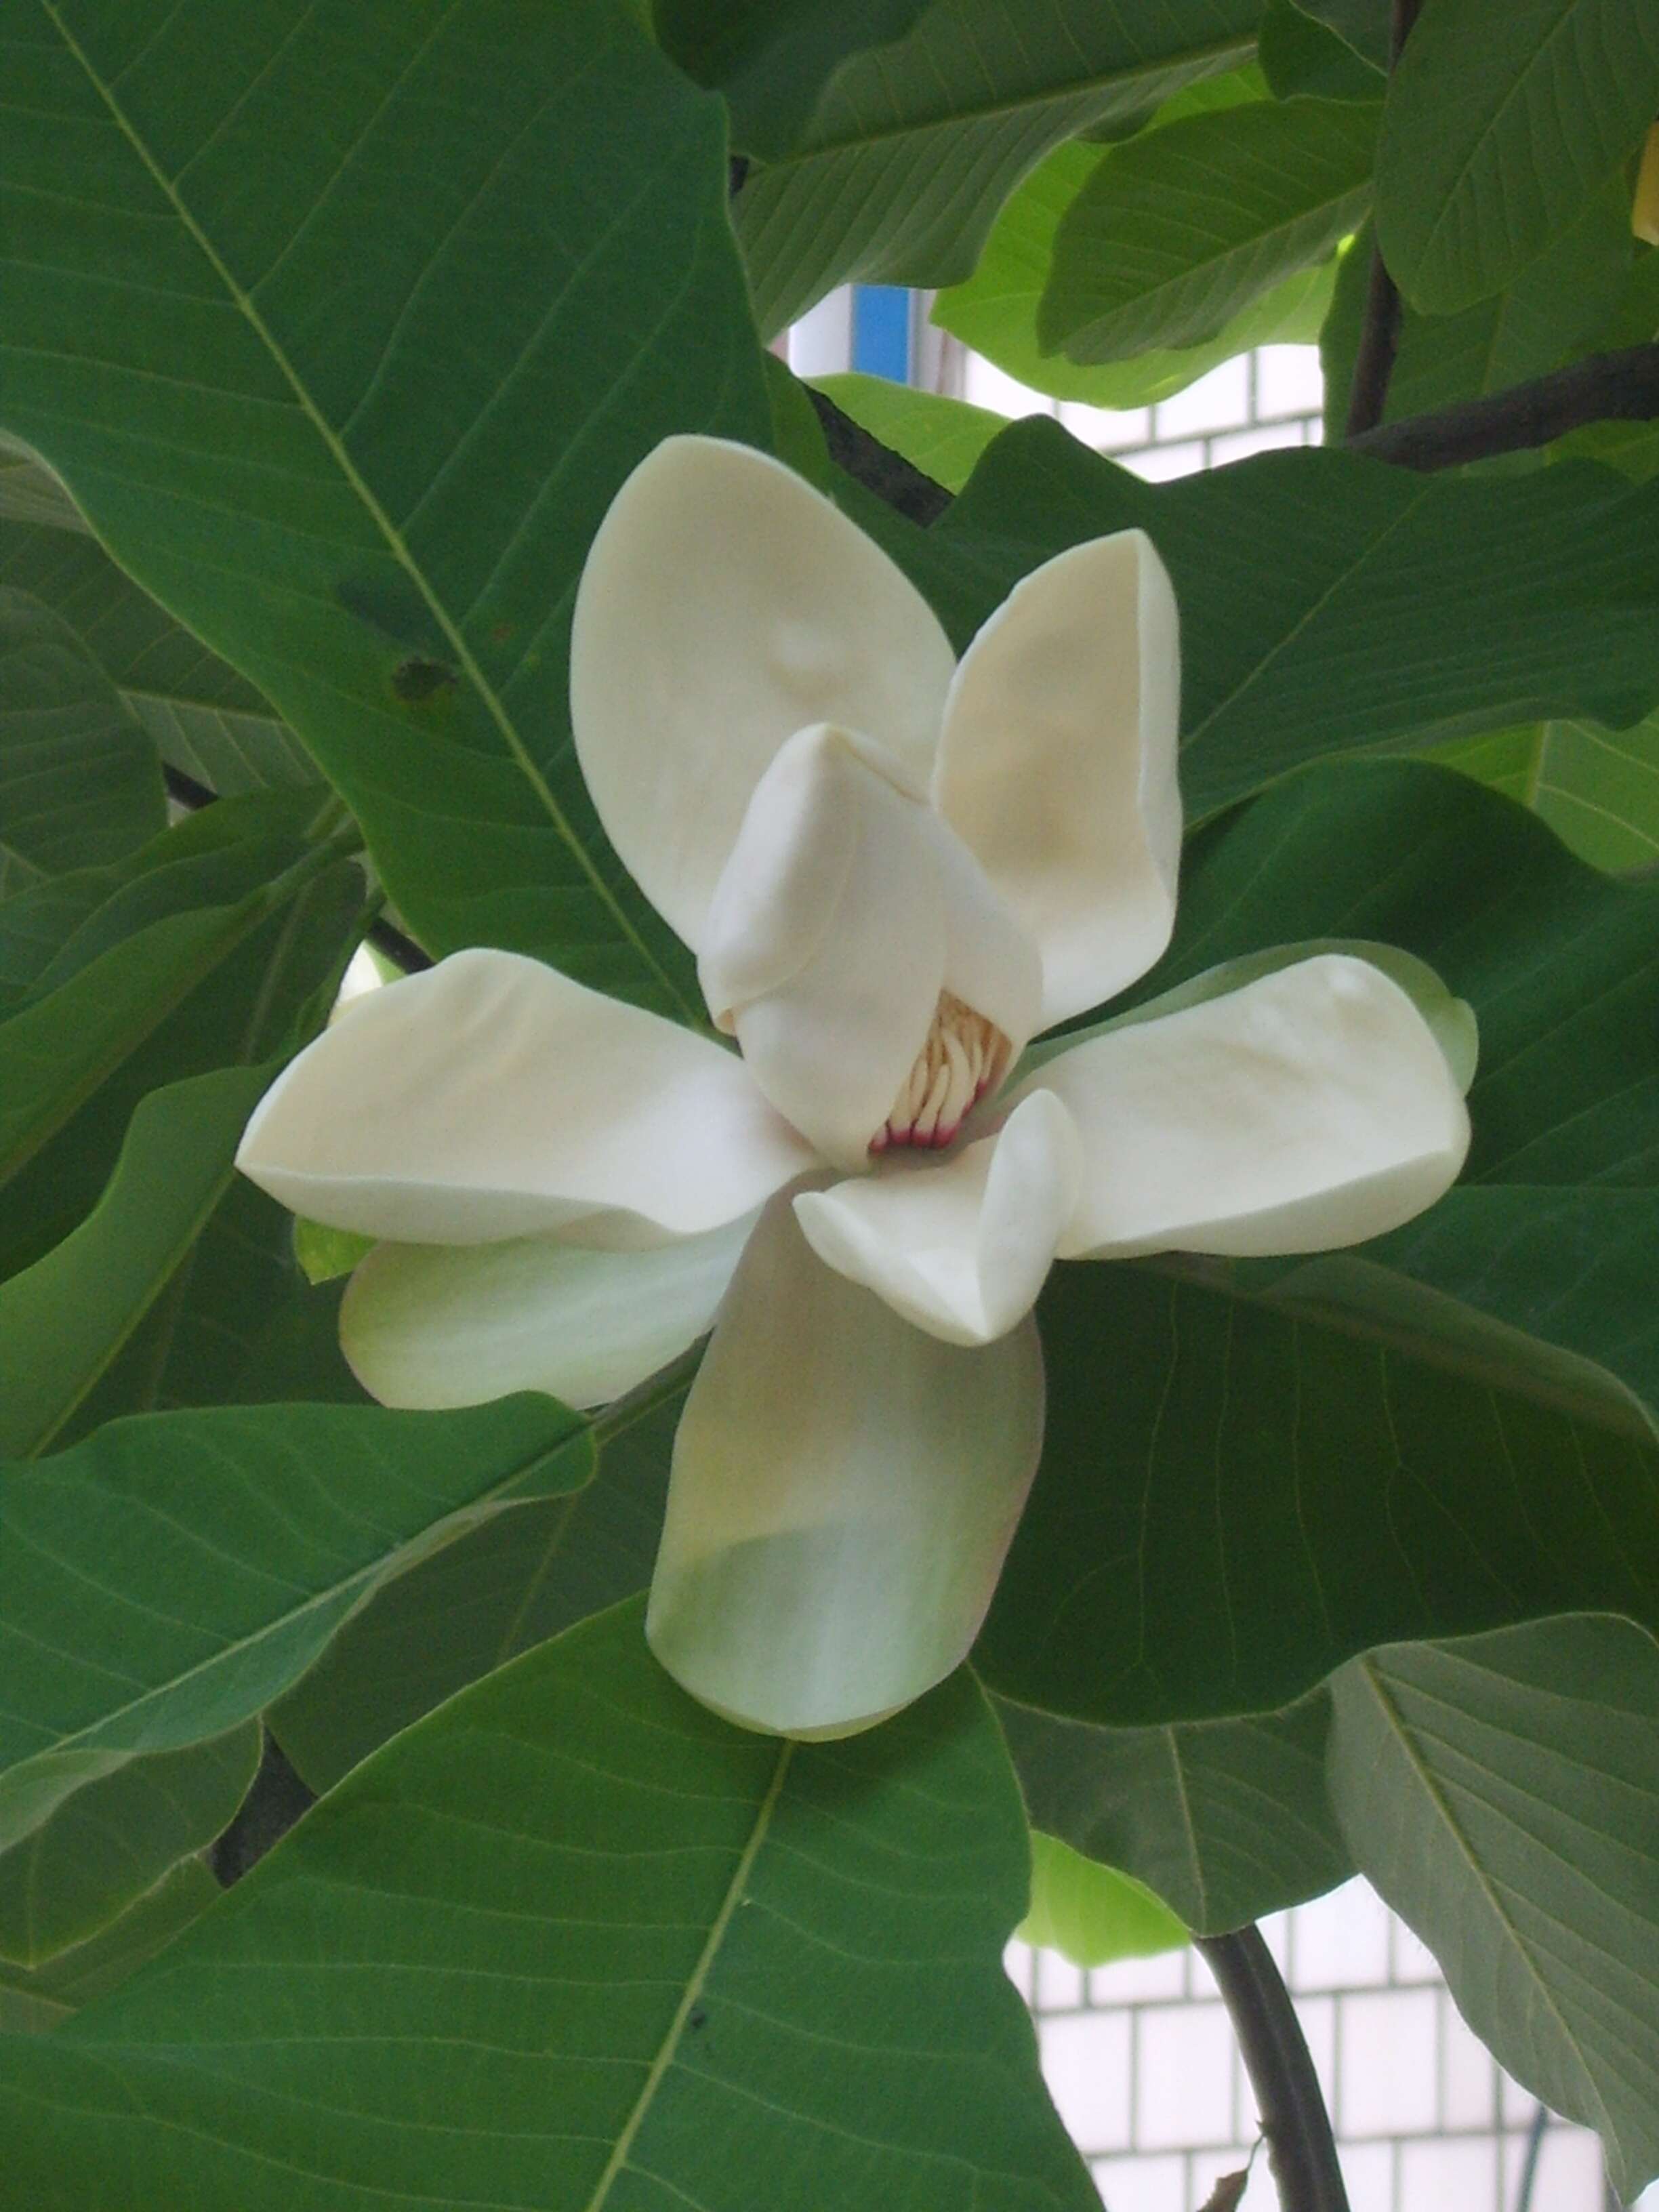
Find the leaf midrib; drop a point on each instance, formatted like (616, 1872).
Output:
(495, 705)
(668, 2050)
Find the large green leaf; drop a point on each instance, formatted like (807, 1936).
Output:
(1439, 1434)
(497, 1589)
(1598, 789)
(1303, 58)
(943, 438)
(113, 1841)
(237, 1323)
(168, 1577)
(1364, 24)
(68, 1037)
(1502, 1793)
(34, 2001)
(1328, 601)
(912, 149)
(995, 310)
(1174, 234)
(772, 58)
(1504, 118)
(573, 1943)
(272, 986)
(1090, 1913)
(79, 781)
(64, 1321)
(1225, 1820)
(1555, 305)
(206, 719)
(414, 474)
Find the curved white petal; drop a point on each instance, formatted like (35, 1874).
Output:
(1312, 1109)
(724, 605)
(845, 908)
(492, 1098)
(844, 1489)
(1057, 763)
(959, 1245)
(440, 1325)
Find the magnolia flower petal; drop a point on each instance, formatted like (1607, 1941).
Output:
(1311, 1108)
(440, 1325)
(825, 949)
(492, 1098)
(724, 605)
(844, 1489)
(1057, 763)
(960, 1246)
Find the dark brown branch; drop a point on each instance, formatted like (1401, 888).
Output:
(1379, 333)
(876, 466)
(1287, 2094)
(1608, 387)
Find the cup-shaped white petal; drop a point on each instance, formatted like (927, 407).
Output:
(724, 605)
(960, 1246)
(825, 947)
(492, 1098)
(1057, 763)
(1311, 1108)
(440, 1325)
(844, 1489)
(845, 908)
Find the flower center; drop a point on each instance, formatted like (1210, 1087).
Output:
(964, 1057)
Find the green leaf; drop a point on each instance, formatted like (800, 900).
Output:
(79, 782)
(99, 1002)
(586, 1946)
(1303, 58)
(31, 2003)
(943, 438)
(416, 474)
(772, 59)
(995, 310)
(1364, 24)
(325, 1253)
(1439, 1434)
(1502, 1795)
(1533, 325)
(244, 1538)
(206, 719)
(496, 1590)
(1598, 789)
(912, 149)
(259, 1002)
(106, 1847)
(1226, 1821)
(1505, 118)
(1330, 602)
(1176, 233)
(1092, 1914)
(63, 1320)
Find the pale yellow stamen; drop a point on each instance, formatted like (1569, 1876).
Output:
(964, 1057)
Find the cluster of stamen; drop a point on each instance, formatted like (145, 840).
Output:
(964, 1057)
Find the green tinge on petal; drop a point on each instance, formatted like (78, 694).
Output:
(1450, 1020)
(844, 1491)
(432, 1326)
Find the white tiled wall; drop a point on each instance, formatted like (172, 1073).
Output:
(1143, 2065)
(1256, 401)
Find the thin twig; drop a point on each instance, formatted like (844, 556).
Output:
(1608, 387)
(1287, 2094)
(1379, 333)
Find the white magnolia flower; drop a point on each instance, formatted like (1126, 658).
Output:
(895, 871)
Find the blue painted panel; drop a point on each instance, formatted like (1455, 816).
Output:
(881, 331)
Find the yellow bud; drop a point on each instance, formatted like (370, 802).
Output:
(1644, 209)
